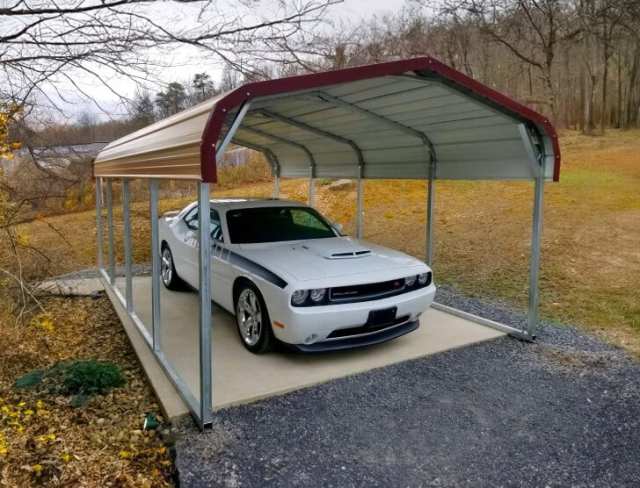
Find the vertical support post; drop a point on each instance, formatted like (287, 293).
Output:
(100, 259)
(126, 223)
(359, 207)
(206, 385)
(534, 266)
(112, 258)
(430, 208)
(312, 191)
(155, 265)
(276, 186)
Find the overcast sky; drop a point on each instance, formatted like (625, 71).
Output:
(186, 62)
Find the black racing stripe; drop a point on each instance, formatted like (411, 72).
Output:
(253, 267)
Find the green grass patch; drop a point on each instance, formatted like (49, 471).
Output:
(79, 379)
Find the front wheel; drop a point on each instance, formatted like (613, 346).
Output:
(252, 319)
(170, 278)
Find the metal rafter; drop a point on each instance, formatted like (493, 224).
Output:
(373, 115)
(237, 121)
(283, 140)
(315, 130)
(269, 154)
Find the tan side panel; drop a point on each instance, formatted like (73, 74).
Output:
(181, 162)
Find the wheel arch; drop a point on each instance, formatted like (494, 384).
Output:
(237, 284)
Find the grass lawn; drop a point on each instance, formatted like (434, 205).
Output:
(591, 241)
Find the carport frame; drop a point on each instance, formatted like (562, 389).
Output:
(211, 150)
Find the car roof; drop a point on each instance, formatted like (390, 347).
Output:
(235, 203)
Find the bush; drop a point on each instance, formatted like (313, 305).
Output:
(79, 379)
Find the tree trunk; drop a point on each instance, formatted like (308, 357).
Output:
(605, 76)
(619, 104)
(632, 109)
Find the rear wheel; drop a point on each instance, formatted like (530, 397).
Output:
(170, 278)
(252, 319)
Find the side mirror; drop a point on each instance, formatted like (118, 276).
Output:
(338, 227)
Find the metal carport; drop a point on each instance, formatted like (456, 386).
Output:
(409, 119)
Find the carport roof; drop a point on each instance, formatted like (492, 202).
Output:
(388, 120)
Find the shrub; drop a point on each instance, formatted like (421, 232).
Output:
(79, 379)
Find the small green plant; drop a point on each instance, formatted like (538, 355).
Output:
(78, 379)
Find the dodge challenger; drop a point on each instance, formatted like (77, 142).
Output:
(290, 276)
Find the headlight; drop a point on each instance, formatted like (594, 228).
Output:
(423, 278)
(299, 297)
(318, 294)
(410, 281)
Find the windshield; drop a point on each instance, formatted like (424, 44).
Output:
(274, 224)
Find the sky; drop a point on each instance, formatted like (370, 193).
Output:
(186, 62)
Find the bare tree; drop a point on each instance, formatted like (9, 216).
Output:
(45, 44)
(531, 30)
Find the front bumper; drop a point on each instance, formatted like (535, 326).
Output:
(359, 340)
(308, 327)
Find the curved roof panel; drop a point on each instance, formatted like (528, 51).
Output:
(388, 120)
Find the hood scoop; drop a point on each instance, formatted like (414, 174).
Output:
(349, 254)
(338, 248)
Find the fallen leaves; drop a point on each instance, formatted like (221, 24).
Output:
(46, 442)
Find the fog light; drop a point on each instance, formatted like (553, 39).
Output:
(311, 339)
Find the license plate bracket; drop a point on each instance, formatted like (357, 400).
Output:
(382, 317)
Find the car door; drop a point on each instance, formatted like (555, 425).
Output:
(189, 248)
(219, 254)
(221, 269)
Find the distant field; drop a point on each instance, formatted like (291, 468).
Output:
(591, 241)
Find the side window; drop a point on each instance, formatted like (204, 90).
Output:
(191, 219)
(216, 227)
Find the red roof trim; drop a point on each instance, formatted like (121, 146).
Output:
(295, 83)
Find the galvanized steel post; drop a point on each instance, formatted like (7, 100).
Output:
(112, 259)
(100, 261)
(359, 207)
(156, 320)
(312, 191)
(276, 186)
(534, 265)
(126, 224)
(430, 208)
(204, 261)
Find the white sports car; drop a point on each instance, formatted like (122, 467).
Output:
(287, 274)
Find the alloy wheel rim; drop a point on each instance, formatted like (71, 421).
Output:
(249, 317)
(166, 268)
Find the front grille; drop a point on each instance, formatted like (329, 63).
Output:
(368, 291)
(365, 329)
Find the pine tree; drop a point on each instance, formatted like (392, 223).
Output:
(172, 100)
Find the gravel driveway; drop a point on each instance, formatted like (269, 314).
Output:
(564, 411)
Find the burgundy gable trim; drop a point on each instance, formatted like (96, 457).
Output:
(238, 96)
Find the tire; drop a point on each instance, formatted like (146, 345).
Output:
(168, 274)
(251, 311)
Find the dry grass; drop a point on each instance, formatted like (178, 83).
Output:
(591, 244)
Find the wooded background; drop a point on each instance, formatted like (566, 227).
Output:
(576, 61)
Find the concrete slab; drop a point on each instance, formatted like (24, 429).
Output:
(73, 286)
(241, 377)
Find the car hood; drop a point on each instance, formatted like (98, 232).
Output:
(318, 259)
